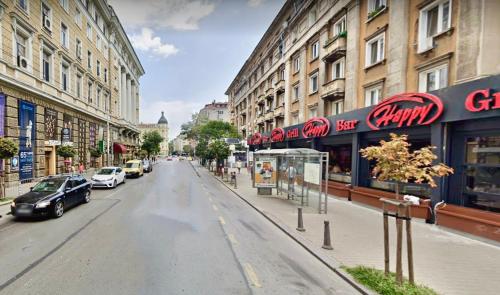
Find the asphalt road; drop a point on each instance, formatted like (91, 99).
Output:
(169, 232)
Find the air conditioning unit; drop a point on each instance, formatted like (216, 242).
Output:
(22, 62)
(46, 23)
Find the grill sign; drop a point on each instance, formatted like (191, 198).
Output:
(482, 100)
(277, 135)
(256, 139)
(292, 133)
(405, 110)
(316, 127)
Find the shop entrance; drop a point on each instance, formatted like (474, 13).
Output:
(50, 160)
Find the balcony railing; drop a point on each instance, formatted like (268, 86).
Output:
(280, 86)
(279, 111)
(333, 89)
(269, 92)
(335, 48)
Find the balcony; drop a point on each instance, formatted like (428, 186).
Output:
(261, 99)
(280, 86)
(269, 92)
(335, 48)
(260, 120)
(269, 115)
(333, 90)
(279, 111)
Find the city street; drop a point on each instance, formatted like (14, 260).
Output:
(168, 232)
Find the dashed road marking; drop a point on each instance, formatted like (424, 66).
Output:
(210, 199)
(221, 220)
(251, 275)
(232, 239)
(215, 208)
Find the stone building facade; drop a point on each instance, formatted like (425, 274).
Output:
(162, 128)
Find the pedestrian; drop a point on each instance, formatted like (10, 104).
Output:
(291, 172)
(81, 168)
(238, 165)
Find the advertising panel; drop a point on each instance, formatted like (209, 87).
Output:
(67, 129)
(50, 124)
(312, 173)
(26, 139)
(265, 172)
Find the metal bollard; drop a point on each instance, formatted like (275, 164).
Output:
(235, 185)
(300, 226)
(326, 241)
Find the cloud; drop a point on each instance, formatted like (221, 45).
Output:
(182, 15)
(177, 112)
(145, 41)
(254, 3)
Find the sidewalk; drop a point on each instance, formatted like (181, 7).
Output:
(449, 263)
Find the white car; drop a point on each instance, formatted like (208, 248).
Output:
(108, 177)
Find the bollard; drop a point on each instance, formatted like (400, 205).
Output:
(300, 226)
(235, 185)
(326, 240)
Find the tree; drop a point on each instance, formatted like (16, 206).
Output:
(66, 151)
(219, 150)
(151, 142)
(395, 162)
(187, 149)
(216, 130)
(95, 153)
(8, 149)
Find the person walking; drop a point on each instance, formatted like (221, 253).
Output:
(81, 168)
(238, 165)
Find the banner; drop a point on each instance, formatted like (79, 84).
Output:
(26, 139)
(265, 172)
(92, 131)
(67, 129)
(50, 124)
(82, 135)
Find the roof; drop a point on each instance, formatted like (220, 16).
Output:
(298, 151)
(162, 119)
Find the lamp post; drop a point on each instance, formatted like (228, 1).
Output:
(108, 148)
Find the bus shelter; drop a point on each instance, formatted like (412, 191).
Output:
(299, 173)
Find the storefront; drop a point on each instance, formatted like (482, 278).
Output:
(462, 121)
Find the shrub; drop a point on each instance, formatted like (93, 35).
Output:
(66, 151)
(8, 148)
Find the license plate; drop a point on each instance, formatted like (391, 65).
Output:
(23, 211)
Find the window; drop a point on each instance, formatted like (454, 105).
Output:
(89, 92)
(313, 83)
(339, 26)
(295, 118)
(64, 35)
(89, 59)
(338, 69)
(337, 107)
(98, 98)
(89, 31)
(105, 75)
(23, 48)
(79, 85)
(434, 19)
(373, 95)
(46, 65)
(78, 48)
(433, 79)
(98, 42)
(375, 50)
(46, 17)
(296, 93)
(282, 74)
(106, 102)
(23, 4)
(296, 64)
(78, 17)
(98, 68)
(313, 112)
(65, 75)
(64, 4)
(375, 5)
(315, 50)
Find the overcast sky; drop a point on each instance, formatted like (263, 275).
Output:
(191, 50)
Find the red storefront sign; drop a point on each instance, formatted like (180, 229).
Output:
(316, 127)
(277, 135)
(255, 139)
(482, 100)
(344, 125)
(425, 108)
(292, 133)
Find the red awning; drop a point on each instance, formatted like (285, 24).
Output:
(119, 148)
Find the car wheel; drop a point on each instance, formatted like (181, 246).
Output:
(115, 183)
(58, 209)
(87, 197)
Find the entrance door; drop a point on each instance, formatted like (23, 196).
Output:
(47, 163)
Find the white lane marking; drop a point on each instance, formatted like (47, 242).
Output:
(251, 275)
(232, 239)
(221, 220)
(215, 208)
(210, 199)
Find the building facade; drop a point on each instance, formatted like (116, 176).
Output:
(338, 76)
(69, 76)
(162, 128)
(215, 111)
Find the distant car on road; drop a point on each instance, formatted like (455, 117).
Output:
(108, 177)
(169, 158)
(52, 196)
(133, 168)
(147, 166)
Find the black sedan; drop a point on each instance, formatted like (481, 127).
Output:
(51, 196)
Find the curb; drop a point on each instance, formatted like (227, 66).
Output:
(327, 261)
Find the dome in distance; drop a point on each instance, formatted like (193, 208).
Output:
(162, 120)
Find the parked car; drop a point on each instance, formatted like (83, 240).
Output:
(169, 158)
(52, 196)
(134, 168)
(147, 166)
(108, 177)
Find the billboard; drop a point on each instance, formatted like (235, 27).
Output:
(26, 139)
(265, 172)
(67, 129)
(50, 125)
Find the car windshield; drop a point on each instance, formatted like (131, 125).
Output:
(48, 185)
(132, 165)
(105, 171)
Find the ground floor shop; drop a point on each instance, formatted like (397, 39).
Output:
(40, 125)
(462, 122)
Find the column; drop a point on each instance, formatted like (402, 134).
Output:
(137, 103)
(351, 59)
(123, 92)
(397, 48)
(134, 102)
(129, 98)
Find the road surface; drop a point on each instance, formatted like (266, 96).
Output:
(169, 232)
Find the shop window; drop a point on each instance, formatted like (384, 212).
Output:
(339, 166)
(433, 79)
(482, 173)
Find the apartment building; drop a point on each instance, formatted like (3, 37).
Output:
(338, 76)
(215, 111)
(68, 76)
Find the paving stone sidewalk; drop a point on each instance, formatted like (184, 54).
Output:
(448, 262)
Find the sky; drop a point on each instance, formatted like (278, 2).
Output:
(191, 50)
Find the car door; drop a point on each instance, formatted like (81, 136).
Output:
(120, 175)
(70, 192)
(83, 187)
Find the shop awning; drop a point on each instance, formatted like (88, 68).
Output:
(119, 148)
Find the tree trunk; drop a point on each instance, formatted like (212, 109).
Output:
(397, 190)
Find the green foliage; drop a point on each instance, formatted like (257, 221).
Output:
(187, 149)
(218, 150)
(201, 150)
(375, 12)
(151, 142)
(143, 154)
(217, 130)
(95, 153)
(396, 162)
(377, 281)
(66, 151)
(343, 34)
(8, 148)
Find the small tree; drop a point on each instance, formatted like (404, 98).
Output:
(219, 150)
(151, 143)
(8, 149)
(395, 162)
(66, 151)
(95, 153)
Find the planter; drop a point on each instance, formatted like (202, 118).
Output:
(339, 189)
(473, 221)
(372, 197)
